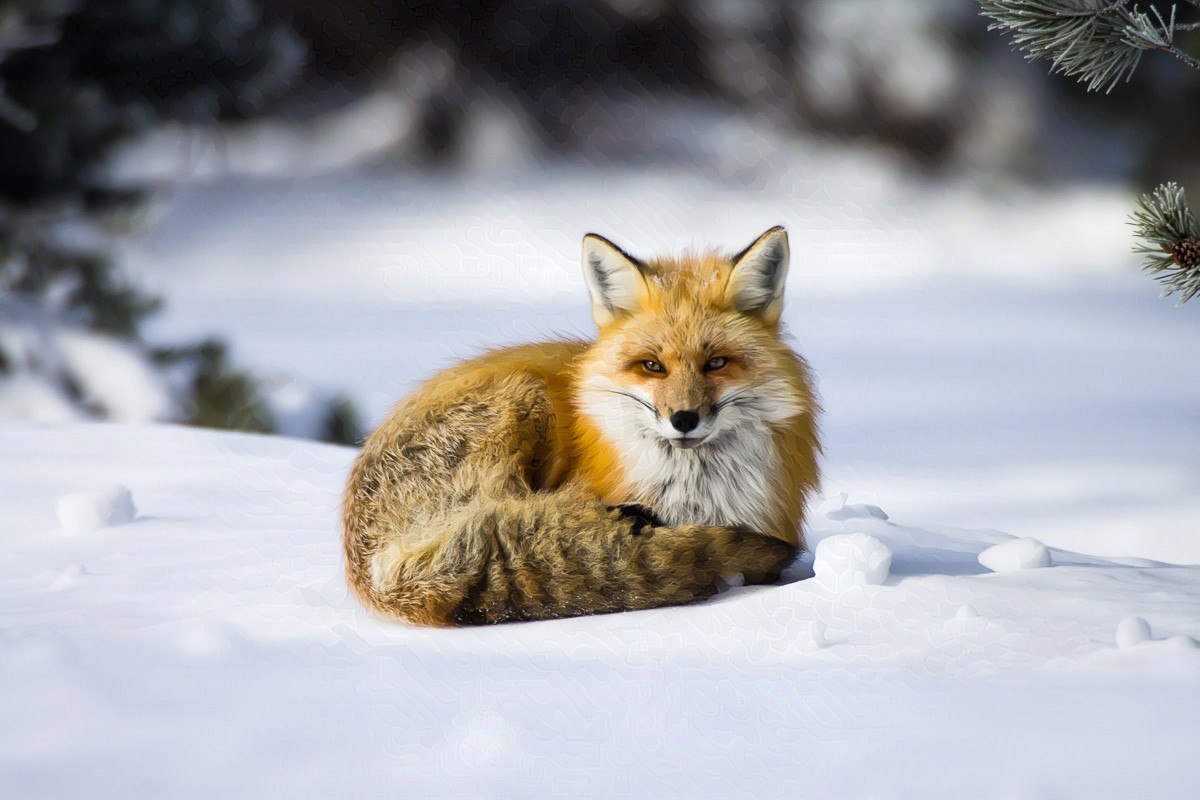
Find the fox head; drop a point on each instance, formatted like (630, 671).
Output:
(689, 353)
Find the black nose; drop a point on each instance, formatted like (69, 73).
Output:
(685, 421)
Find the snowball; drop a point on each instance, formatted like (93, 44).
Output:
(966, 612)
(1015, 555)
(851, 559)
(84, 512)
(1132, 631)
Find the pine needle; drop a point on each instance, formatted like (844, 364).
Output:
(1170, 240)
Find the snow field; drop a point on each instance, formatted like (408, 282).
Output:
(210, 648)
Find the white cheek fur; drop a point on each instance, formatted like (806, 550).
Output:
(725, 481)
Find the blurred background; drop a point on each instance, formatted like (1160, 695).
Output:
(281, 216)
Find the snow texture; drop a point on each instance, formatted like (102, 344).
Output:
(1017, 554)
(211, 649)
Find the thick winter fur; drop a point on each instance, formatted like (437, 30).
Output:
(568, 478)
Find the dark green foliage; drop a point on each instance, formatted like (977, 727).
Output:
(80, 286)
(107, 69)
(343, 425)
(76, 78)
(223, 397)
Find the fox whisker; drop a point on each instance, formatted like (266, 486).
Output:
(733, 399)
(635, 398)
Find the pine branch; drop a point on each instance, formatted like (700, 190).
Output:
(1100, 43)
(1147, 35)
(1170, 236)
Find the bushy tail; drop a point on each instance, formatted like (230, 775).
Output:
(553, 554)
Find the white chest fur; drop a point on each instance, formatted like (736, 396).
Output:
(726, 481)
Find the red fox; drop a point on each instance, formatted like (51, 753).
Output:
(570, 477)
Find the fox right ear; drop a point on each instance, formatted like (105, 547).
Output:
(614, 279)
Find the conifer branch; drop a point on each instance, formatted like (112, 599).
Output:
(1170, 239)
(1101, 44)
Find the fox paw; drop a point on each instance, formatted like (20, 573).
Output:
(642, 517)
(768, 556)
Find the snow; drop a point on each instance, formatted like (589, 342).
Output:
(210, 648)
(84, 512)
(851, 559)
(1017, 554)
(1132, 631)
(992, 369)
(59, 371)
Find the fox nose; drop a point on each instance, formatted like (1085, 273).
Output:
(684, 421)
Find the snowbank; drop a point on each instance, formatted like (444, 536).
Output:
(208, 648)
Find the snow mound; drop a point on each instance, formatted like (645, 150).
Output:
(1015, 555)
(1132, 631)
(851, 559)
(839, 510)
(84, 512)
(966, 612)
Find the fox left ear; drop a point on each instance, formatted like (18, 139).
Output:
(756, 283)
(614, 279)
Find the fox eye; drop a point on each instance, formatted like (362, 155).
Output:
(715, 363)
(652, 366)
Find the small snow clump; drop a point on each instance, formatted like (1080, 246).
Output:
(84, 512)
(854, 510)
(966, 612)
(1132, 631)
(851, 559)
(1014, 555)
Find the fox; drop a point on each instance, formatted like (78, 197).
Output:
(574, 477)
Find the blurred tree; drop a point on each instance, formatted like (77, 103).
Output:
(1102, 42)
(76, 78)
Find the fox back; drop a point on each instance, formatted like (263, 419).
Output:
(569, 478)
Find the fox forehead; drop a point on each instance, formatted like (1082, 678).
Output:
(694, 280)
(678, 337)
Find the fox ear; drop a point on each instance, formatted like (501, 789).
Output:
(756, 283)
(614, 279)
